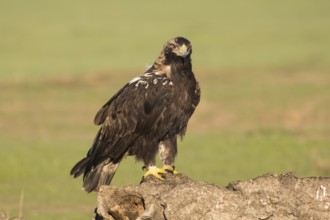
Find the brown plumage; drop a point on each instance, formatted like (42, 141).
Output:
(144, 117)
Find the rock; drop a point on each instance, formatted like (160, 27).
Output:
(178, 197)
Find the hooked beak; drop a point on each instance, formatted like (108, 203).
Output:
(183, 50)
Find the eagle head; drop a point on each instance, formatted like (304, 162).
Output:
(175, 54)
(177, 47)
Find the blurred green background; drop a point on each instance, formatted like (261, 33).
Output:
(263, 66)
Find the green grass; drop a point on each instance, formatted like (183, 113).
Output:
(263, 68)
(282, 125)
(75, 37)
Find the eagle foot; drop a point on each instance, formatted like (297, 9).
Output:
(156, 172)
(170, 169)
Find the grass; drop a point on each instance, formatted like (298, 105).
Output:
(263, 68)
(75, 37)
(280, 126)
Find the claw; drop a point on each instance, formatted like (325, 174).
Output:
(156, 172)
(170, 169)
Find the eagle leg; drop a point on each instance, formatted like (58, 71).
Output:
(156, 172)
(167, 153)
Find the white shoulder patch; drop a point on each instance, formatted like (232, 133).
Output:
(142, 82)
(147, 75)
(138, 78)
(134, 80)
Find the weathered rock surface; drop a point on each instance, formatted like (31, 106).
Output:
(177, 197)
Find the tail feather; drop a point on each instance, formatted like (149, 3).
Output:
(80, 167)
(94, 177)
(100, 175)
(101, 162)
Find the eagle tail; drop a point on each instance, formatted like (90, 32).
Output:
(95, 177)
(100, 175)
(80, 167)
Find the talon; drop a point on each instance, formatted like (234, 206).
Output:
(170, 169)
(156, 172)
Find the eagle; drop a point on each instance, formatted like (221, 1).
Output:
(143, 118)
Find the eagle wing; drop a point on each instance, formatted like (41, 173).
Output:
(130, 113)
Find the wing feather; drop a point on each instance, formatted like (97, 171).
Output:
(130, 113)
(104, 111)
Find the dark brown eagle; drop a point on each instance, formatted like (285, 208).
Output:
(143, 118)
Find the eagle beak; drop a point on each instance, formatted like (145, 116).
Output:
(183, 51)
